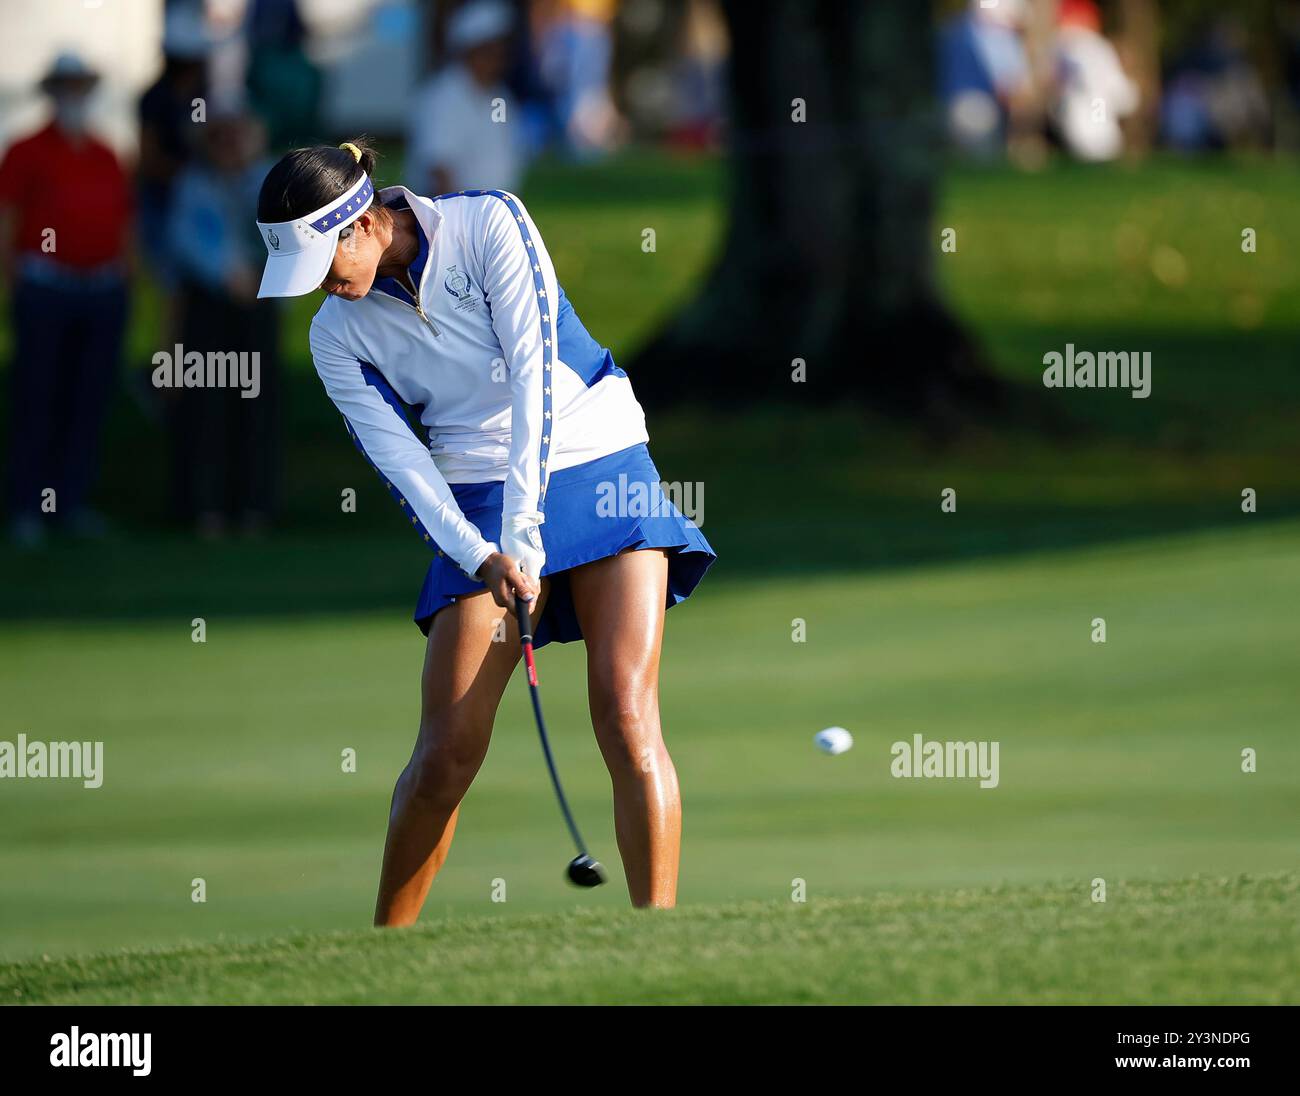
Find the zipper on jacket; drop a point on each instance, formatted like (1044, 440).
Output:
(427, 319)
(419, 308)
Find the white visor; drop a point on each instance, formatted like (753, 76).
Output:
(300, 252)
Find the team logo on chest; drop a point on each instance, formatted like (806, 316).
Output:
(457, 283)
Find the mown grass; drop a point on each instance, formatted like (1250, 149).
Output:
(1199, 941)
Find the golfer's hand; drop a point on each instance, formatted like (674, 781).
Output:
(503, 578)
(521, 540)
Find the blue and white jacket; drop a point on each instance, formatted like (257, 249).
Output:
(503, 375)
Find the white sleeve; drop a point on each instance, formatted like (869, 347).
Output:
(519, 286)
(380, 431)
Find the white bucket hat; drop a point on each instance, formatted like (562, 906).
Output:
(299, 252)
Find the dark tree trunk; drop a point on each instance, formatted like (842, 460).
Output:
(830, 250)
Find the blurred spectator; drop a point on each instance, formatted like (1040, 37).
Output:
(1093, 91)
(224, 446)
(700, 78)
(575, 44)
(284, 87)
(1214, 97)
(983, 71)
(66, 207)
(168, 133)
(464, 132)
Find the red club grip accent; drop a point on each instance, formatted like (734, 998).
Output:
(526, 637)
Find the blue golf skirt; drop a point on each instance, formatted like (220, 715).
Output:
(593, 510)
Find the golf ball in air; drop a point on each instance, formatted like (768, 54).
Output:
(833, 740)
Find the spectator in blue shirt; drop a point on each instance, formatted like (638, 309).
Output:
(983, 69)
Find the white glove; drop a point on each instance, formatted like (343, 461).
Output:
(521, 540)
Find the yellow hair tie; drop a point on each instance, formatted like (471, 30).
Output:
(356, 152)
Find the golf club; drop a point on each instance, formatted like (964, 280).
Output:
(583, 870)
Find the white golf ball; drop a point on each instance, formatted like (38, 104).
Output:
(833, 740)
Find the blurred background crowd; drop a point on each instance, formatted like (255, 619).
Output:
(134, 158)
(1017, 77)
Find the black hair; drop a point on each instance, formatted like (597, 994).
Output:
(308, 178)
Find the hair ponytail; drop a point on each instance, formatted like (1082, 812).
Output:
(363, 153)
(305, 179)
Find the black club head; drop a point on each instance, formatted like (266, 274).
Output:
(585, 872)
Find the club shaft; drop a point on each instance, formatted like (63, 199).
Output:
(526, 640)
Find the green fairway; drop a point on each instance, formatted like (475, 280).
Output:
(1199, 941)
(1118, 760)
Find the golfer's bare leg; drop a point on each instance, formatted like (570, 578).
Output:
(465, 673)
(620, 606)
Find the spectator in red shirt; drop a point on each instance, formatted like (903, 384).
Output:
(64, 216)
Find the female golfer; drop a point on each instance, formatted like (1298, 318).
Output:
(536, 483)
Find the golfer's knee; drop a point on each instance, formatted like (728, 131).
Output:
(443, 766)
(628, 733)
